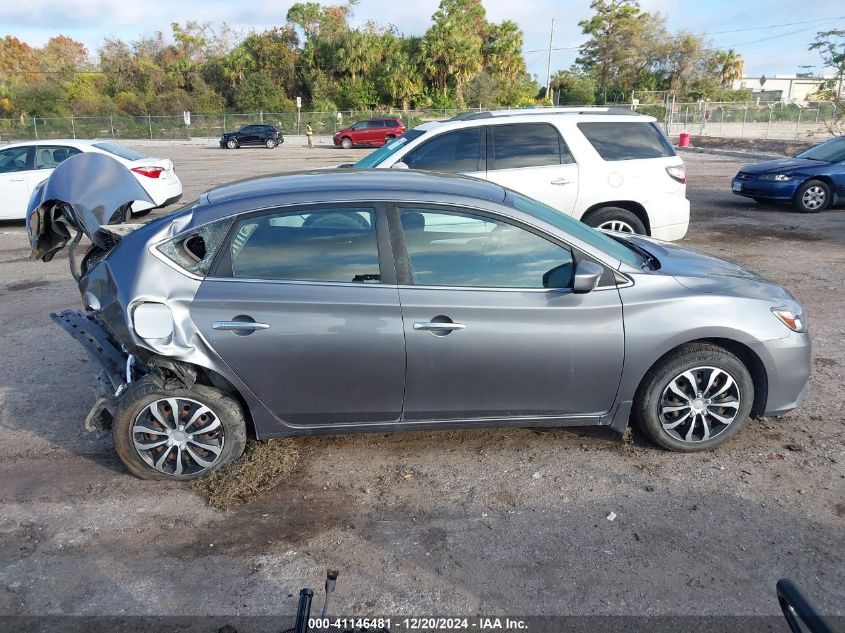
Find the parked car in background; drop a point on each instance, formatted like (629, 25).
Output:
(370, 132)
(258, 134)
(24, 165)
(811, 182)
(340, 301)
(608, 167)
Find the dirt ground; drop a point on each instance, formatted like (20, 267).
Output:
(496, 522)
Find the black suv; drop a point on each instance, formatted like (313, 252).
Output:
(267, 135)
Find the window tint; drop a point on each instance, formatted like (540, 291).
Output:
(452, 152)
(49, 157)
(527, 145)
(123, 152)
(391, 123)
(461, 249)
(14, 159)
(626, 141)
(376, 157)
(324, 245)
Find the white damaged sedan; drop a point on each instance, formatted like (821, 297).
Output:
(24, 165)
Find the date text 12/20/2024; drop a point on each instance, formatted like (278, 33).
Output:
(419, 624)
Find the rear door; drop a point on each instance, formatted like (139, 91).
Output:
(492, 327)
(303, 307)
(533, 159)
(250, 135)
(460, 151)
(15, 172)
(47, 158)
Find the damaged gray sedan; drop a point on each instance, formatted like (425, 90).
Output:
(369, 300)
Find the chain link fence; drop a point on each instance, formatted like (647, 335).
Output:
(786, 121)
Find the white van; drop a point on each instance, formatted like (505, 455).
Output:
(609, 167)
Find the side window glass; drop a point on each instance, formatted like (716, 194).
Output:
(324, 245)
(194, 251)
(467, 250)
(626, 141)
(451, 152)
(49, 157)
(14, 159)
(526, 145)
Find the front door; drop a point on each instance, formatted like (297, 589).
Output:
(492, 327)
(15, 172)
(301, 308)
(457, 152)
(533, 158)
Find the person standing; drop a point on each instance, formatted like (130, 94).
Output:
(309, 133)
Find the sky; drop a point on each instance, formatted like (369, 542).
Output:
(772, 35)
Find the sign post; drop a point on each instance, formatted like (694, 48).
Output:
(298, 108)
(186, 116)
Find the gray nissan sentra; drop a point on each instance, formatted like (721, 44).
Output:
(374, 300)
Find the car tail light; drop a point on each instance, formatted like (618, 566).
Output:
(149, 172)
(678, 172)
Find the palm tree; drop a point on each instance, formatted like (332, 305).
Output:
(730, 66)
(237, 65)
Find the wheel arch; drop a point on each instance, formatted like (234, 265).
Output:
(629, 205)
(834, 198)
(745, 354)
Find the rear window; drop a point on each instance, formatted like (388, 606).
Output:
(194, 251)
(123, 152)
(626, 141)
(527, 145)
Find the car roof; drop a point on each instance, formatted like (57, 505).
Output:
(535, 115)
(347, 183)
(58, 141)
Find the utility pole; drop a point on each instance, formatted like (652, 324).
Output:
(549, 68)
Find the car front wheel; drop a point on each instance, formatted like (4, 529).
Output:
(813, 196)
(346, 142)
(615, 219)
(270, 143)
(232, 144)
(177, 434)
(694, 398)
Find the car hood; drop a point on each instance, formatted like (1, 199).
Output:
(704, 273)
(782, 165)
(84, 194)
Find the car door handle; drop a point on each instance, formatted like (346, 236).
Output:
(239, 326)
(561, 181)
(432, 325)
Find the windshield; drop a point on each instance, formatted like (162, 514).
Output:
(123, 152)
(371, 160)
(591, 236)
(833, 151)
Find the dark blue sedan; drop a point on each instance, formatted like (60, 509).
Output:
(812, 181)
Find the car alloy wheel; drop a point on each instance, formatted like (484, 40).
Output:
(699, 404)
(814, 198)
(232, 144)
(346, 142)
(620, 226)
(270, 143)
(178, 436)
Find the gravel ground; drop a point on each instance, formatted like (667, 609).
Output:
(497, 521)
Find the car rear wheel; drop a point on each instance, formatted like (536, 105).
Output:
(346, 142)
(177, 434)
(270, 143)
(695, 398)
(813, 196)
(615, 219)
(232, 144)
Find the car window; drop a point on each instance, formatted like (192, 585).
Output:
(451, 152)
(832, 151)
(50, 156)
(123, 152)
(15, 159)
(627, 141)
(194, 251)
(391, 123)
(359, 126)
(527, 145)
(376, 157)
(468, 250)
(324, 245)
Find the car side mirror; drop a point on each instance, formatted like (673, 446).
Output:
(587, 277)
(399, 165)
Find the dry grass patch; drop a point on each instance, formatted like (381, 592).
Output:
(261, 467)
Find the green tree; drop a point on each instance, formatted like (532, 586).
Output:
(503, 50)
(40, 98)
(830, 46)
(728, 66)
(574, 88)
(483, 91)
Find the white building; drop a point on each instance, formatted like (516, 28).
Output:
(787, 88)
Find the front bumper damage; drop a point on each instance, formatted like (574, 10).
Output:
(115, 364)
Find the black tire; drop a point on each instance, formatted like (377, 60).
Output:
(141, 394)
(609, 215)
(346, 142)
(140, 214)
(813, 196)
(647, 402)
(232, 143)
(270, 143)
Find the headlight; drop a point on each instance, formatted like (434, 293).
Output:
(777, 177)
(790, 319)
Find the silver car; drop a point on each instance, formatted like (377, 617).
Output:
(375, 300)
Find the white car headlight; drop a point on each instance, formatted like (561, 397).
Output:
(776, 177)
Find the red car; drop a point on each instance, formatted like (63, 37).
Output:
(370, 132)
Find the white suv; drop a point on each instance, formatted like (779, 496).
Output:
(610, 167)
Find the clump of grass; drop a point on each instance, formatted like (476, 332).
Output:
(260, 468)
